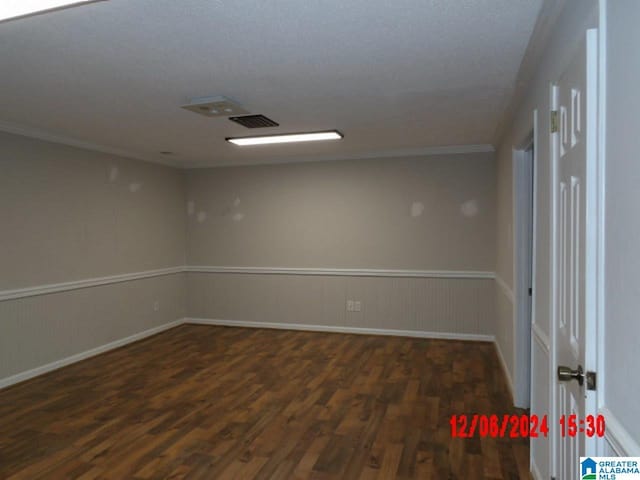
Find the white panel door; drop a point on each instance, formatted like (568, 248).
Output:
(575, 154)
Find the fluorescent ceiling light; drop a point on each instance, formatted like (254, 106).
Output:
(286, 138)
(20, 8)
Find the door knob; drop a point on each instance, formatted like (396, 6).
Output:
(565, 374)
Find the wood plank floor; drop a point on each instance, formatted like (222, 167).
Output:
(232, 403)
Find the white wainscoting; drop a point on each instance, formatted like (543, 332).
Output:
(618, 437)
(49, 326)
(505, 368)
(34, 372)
(535, 473)
(444, 305)
(506, 289)
(504, 328)
(45, 331)
(540, 405)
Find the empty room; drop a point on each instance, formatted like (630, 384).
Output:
(319, 240)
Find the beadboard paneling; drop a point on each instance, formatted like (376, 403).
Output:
(504, 324)
(540, 397)
(447, 305)
(39, 330)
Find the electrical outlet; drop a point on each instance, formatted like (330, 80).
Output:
(354, 305)
(156, 306)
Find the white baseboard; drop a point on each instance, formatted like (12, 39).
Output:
(21, 377)
(505, 369)
(535, 473)
(619, 437)
(339, 329)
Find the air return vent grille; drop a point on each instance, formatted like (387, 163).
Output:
(254, 121)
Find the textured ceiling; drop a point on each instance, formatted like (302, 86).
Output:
(394, 76)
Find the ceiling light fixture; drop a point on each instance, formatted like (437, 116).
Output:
(286, 138)
(29, 7)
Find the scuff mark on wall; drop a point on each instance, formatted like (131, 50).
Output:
(113, 174)
(135, 187)
(233, 211)
(201, 217)
(416, 209)
(470, 208)
(191, 208)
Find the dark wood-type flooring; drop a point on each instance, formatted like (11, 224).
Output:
(223, 403)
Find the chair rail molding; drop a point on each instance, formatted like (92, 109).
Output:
(506, 289)
(332, 272)
(349, 272)
(85, 283)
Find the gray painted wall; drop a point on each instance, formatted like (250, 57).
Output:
(433, 213)
(69, 214)
(430, 213)
(622, 329)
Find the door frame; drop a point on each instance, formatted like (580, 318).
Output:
(600, 169)
(524, 260)
(593, 233)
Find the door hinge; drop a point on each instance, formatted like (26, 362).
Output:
(591, 380)
(554, 121)
(530, 291)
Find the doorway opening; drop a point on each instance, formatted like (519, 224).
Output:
(524, 264)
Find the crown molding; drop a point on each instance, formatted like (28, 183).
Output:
(394, 153)
(38, 134)
(540, 36)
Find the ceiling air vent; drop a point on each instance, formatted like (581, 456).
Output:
(254, 121)
(217, 106)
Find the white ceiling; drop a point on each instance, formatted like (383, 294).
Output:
(394, 77)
